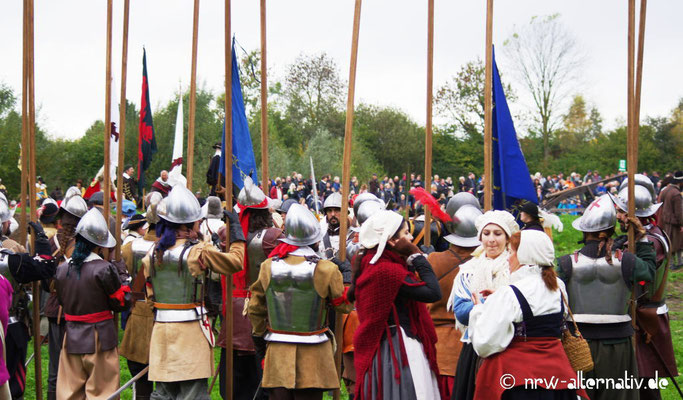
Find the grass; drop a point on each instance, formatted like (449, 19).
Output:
(565, 242)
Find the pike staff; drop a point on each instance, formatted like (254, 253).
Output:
(106, 197)
(348, 136)
(264, 102)
(488, 109)
(193, 97)
(122, 129)
(428, 125)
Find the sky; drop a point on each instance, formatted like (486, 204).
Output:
(70, 49)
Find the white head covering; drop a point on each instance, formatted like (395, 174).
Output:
(535, 248)
(378, 229)
(501, 218)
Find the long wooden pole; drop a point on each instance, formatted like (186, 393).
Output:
(631, 142)
(24, 130)
(106, 196)
(264, 103)
(428, 124)
(488, 108)
(32, 194)
(122, 128)
(229, 317)
(639, 66)
(193, 97)
(346, 174)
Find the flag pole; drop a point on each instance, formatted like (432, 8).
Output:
(264, 103)
(348, 141)
(488, 108)
(24, 130)
(229, 317)
(32, 193)
(193, 97)
(106, 196)
(122, 129)
(428, 125)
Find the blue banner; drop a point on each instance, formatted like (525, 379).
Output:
(243, 161)
(511, 179)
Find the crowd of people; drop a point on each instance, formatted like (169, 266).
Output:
(487, 300)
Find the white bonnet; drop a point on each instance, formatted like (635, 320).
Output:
(501, 218)
(378, 229)
(535, 248)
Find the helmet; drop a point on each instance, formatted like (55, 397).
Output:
(70, 192)
(94, 229)
(363, 197)
(286, 205)
(460, 199)
(5, 214)
(301, 227)
(600, 215)
(644, 206)
(333, 201)
(182, 206)
(75, 206)
(641, 180)
(49, 200)
(465, 233)
(152, 201)
(251, 196)
(366, 210)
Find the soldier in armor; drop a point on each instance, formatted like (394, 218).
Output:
(214, 217)
(288, 310)
(462, 241)
(90, 290)
(262, 238)
(599, 280)
(138, 327)
(654, 348)
(180, 355)
(332, 210)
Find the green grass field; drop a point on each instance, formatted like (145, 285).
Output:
(565, 242)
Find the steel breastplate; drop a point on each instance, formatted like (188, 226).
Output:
(140, 248)
(172, 281)
(652, 287)
(597, 291)
(256, 256)
(296, 312)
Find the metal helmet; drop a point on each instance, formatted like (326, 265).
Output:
(49, 200)
(95, 229)
(641, 180)
(366, 210)
(5, 214)
(70, 192)
(465, 234)
(152, 201)
(333, 201)
(181, 206)
(460, 199)
(286, 205)
(75, 206)
(644, 206)
(251, 196)
(301, 227)
(362, 198)
(600, 215)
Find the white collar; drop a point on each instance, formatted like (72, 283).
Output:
(218, 152)
(125, 175)
(92, 257)
(303, 251)
(524, 271)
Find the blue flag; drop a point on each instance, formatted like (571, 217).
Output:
(511, 179)
(243, 161)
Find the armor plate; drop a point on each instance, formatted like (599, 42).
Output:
(170, 285)
(140, 248)
(256, 256)
(294, 305)
(597, 291)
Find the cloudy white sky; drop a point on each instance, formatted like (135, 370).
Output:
(70, 49)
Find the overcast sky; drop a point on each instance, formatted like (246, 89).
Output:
(70, 49)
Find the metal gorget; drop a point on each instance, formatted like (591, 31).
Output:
(597, 291)
(296, 312)
(171, 280)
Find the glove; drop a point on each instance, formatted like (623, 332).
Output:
(236, 234)
(42, 243)
(344, 268)
(260, 345)
(427, 249)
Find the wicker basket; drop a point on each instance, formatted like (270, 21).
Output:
(576, 346)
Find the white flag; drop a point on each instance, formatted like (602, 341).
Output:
(175, 175)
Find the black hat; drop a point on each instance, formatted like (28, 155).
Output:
(97, 199)
(218, 146)
(135, 222)
(529, 208)
(49, 213)
(678, 176)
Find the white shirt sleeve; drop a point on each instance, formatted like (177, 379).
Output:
(491, 326)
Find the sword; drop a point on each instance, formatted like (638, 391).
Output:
(34, 354)
(315, 187)
(127, 384)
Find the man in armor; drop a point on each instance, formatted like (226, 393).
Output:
(214, 217)
(288, 310)
(262, 238)
(599, 279)
(90, 290)
(331, 239)
(462, 240)
(654, 348)
(138, 327)
(180, 355)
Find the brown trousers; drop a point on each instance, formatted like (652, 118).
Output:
(87, 376)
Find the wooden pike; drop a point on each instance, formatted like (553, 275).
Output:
(488, 109)
(264, 102)
(24, 129)
(193, 97)
(122, 129)
(106, 196)
(346, 175)
(428, 125)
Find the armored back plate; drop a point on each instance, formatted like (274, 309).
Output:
(597, 287)
(171, 285)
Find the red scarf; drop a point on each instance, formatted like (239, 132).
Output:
(376, 291)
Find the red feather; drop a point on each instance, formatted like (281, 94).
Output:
(425, 198)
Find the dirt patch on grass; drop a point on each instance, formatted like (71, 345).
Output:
(674, 297)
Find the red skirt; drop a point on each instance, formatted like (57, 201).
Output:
(531, 362)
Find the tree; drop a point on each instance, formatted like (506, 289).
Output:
(580, 124)
(546, 58)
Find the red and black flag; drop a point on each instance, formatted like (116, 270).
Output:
(147, 144)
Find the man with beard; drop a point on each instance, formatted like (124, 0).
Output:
(162, 185)
(331, 240)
